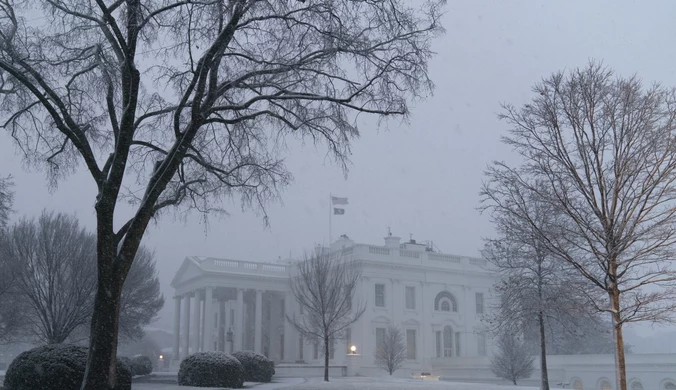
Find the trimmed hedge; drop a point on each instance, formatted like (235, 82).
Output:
(55, 367)
(257, 367)
(141, 365)
(211, 369)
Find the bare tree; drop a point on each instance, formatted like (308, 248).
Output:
(54, 263)
(10, 306)
(390, 355)
(55, 274)
(8, 314)
(141, 298)
(324, 285)
(6, 200)
(534, 283)
(599, 151)
(513, 360)
(183, 103)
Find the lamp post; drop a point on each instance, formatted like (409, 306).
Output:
(228, 337)
(353, 349)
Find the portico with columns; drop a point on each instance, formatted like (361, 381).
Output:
(230, 305)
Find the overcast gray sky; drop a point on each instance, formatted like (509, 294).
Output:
(422, 177)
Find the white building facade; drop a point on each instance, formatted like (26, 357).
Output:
(437, 300)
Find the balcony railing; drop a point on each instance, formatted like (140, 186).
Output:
(248, 265)
(362, 251)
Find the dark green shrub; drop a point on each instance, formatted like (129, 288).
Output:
(55, 367)
(257, 368)
(124, 360)
(211, 369)
(141, 365)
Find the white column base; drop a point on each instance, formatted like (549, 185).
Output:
(353, 363)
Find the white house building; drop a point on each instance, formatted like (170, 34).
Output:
(435, 299)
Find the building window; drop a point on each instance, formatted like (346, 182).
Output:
(448, 341)
(410, 298)
(438, 337)
(348, 339)
(670, 386)
(605, 385)
(315, 350)
(577, 384)
(481, 342)
(281, 346)
(479, 303)
(442, 297)
(457, 343)
(445, 305)
(410, 344)
(636, 385)
(332, 349)
(349, 298)
(380, 338)
(380, 295)
(300, 348)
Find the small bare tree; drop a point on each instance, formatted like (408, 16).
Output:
(54, 264)
(534, 283)
(513, 360)
(55, 274)
(390, 355)
(141, 298)
(324, 285)
(599, 151)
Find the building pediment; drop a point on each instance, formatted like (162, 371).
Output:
(190, 269)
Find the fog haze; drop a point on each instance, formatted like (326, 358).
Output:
(421, 176)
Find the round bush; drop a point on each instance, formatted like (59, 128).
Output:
(257, 368)
(141, 365)
(211, 369)
(55, 367)
(126, 361)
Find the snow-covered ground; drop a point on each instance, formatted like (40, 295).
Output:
(351, 383)
(289, 383)
(387, 383)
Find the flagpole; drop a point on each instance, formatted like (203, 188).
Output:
(330, 222)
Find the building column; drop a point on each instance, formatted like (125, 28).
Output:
(196, 323)
(258, 338)
(222, 325)
(209, 320)
(186, 327)
(274, 335)
(290, 339)
(239, 321)
(177, 328)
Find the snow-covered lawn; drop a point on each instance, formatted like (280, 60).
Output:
(278, 383)
(387, 383)
(351, 383)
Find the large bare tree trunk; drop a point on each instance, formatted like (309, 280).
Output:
(102, 364)
(620, 366)
(326, 358)
(544, 376)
